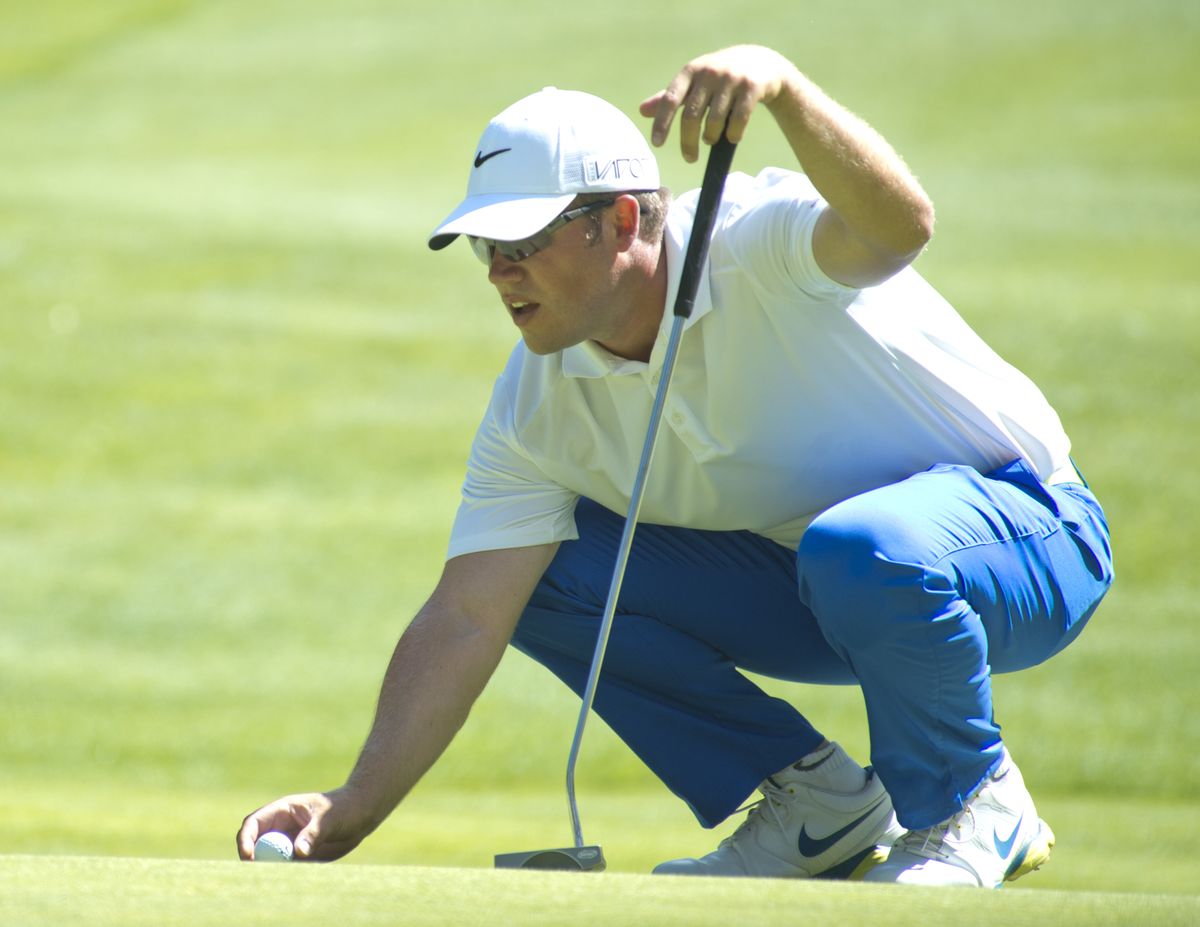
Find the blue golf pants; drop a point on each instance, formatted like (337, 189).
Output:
(917, 592)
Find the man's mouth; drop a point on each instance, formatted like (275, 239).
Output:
(521, 311)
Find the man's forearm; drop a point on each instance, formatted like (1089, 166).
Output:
(437, 671)
(854, 168)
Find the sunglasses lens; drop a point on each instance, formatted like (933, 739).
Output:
(515, 251)
(482, 248)
(518, 250)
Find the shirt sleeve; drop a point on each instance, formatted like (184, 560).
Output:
(772, 238)
(507, 501)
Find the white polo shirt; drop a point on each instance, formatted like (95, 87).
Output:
(791, 393)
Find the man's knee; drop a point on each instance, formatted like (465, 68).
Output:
(856, 573)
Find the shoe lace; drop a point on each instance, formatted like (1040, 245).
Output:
(931, 842)
(767, 809)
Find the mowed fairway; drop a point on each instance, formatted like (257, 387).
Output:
(237, 390)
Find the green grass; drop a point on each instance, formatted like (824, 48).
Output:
(236, 393)
(127, 893)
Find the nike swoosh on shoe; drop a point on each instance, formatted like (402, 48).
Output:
(1004, 847)
(811, 847)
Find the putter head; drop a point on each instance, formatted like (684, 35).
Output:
(580, 859)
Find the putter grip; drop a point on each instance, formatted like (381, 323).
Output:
(720, 157)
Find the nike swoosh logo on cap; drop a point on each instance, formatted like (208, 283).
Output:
(1004, 847)
(481, 158)
(815, 846)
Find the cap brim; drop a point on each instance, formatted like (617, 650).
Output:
(502, 216)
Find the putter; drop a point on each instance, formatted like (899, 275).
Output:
(582, 856)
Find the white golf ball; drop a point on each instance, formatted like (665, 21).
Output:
(273, 847)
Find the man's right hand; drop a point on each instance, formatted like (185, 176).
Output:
(321, 825)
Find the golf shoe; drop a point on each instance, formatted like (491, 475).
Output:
(827, 819)
(996, 837)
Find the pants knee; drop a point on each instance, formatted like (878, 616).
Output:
(855, 576)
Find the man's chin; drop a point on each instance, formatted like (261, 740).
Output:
(542, 348)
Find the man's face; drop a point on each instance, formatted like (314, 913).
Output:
(565, 293)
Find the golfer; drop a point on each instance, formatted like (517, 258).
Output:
(850, 487)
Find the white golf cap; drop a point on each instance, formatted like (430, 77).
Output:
(537, 155)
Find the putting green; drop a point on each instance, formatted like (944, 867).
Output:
(133, 892)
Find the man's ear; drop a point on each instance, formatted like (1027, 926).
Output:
(626, 217)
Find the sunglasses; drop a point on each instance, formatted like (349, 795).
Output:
(522, 248)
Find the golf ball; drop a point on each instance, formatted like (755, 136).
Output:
(273, 847)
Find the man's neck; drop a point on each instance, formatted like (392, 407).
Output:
(647, 303)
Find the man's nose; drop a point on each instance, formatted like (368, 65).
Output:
(501, 268)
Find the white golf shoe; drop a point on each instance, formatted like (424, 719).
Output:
(827, 818)
(997, 837)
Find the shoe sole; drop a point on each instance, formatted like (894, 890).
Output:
(1034, 855)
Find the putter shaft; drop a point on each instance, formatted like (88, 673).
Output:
(614, 589)
(719, 160)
